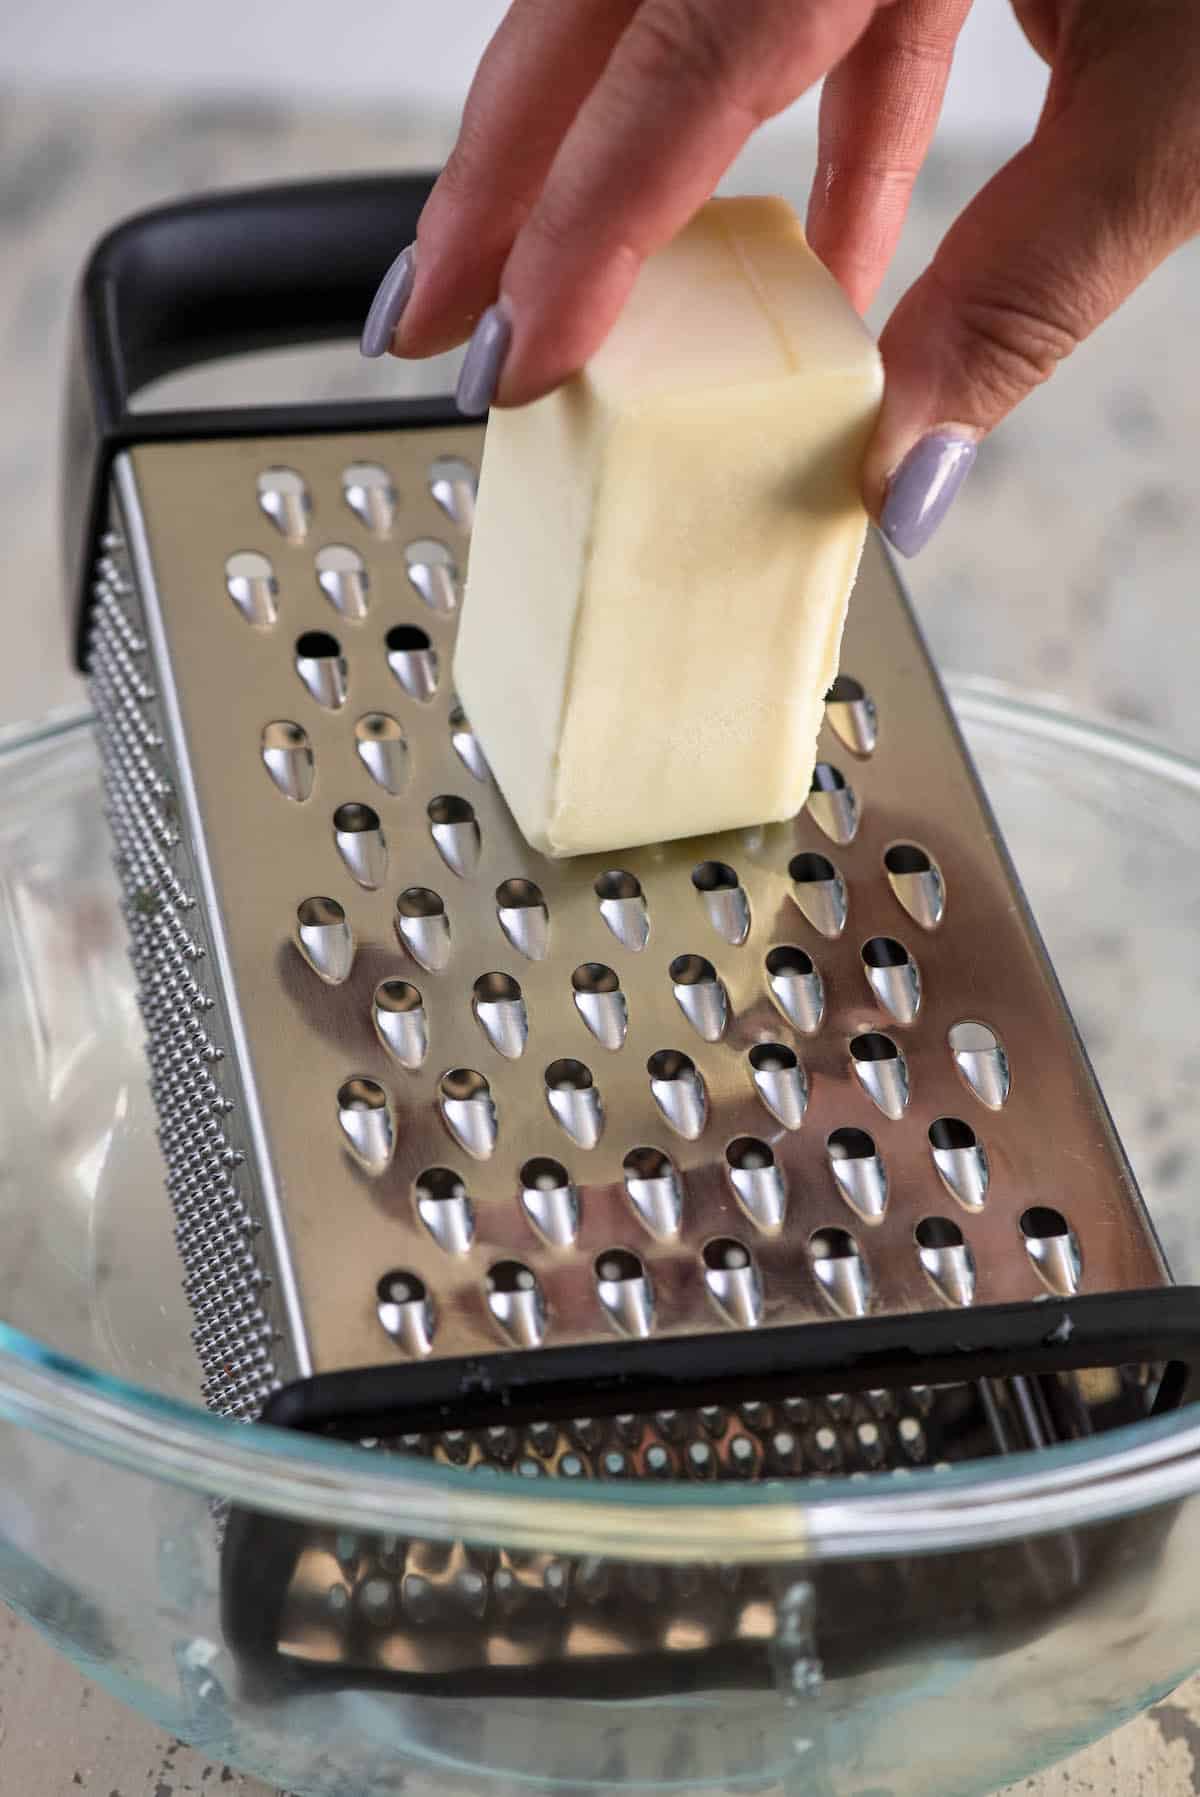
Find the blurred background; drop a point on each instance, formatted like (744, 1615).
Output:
(1069, 564)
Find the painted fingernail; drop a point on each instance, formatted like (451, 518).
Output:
(391, 297)
(483, 361)
(923, 488)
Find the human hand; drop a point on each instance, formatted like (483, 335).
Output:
(596, 128)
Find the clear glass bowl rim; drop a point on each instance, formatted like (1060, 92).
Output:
(340, 1486)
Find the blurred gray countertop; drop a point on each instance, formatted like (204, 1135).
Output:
(1069, 566)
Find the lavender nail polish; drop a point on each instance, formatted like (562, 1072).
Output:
(391, 297)
(484, 360)
(922, 490)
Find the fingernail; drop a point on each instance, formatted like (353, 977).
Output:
(483, 361)
(391, 297)
(923, 488)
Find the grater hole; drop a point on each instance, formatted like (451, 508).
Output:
(543, 1175)
(342, 577)
(960, 1160)
(567, 1075)
(462, 1085)
(288, 758)
(465, 1100)
(874, 1047)
(466, 744)
(772, 1057)
(317, 645)
(885, 951)
(362, 1095)
(398, 997)
(724, 899)
(893, 976)
(511, 1276)
(623, 907)
(455, 831)
(678, 1091)
(284, 497)
(594, 976)
(789, 963)
(433, 572)
(859, 1172)
(382, 749)
(445, 1208)
(938, 1232)
(780, 1081)
(369, 491)
(653, 1188)
(820, 891)
(796, 987)
(406, 1310)
(670, 1064)
(734, 1284)
(980, 1058)
(319, 913)
(714, 876)
(251, 584)
(1053, 1247)
(497, 989)
(420, 901)
(500, 1011)
(399, 1012)
(413, 660)
(725, 1256)
(550, 1201)
(574, 1100)
(700, 995)
(840, 1270)
(693, 970)
(882, 1072)
(952, 1134)
(832, 804)
(524, 917)
(757, 1182)
(916, 881)
(852, 715)
(366, 1120)
(625, 1291)
(322, 667)
(452, 482)
(354, 818)
(361, 843)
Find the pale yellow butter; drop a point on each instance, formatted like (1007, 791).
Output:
(664, 549)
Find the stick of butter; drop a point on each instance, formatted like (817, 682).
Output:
(664, 549)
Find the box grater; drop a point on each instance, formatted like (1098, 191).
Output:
(764, 1155)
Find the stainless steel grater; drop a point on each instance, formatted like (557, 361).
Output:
(763, 1155)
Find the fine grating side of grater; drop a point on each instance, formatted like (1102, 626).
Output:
(752, 1156)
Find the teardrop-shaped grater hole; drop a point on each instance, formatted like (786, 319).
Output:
(406, 1311)
(500, 1012)
(466, 744)
(624, 1289)
(852, 715)
(780, 1081)
(832, 804)
(453, 483)
(758, 1183)
(572, 1096)
(284, 497)
(322, 667)
(960, 1159)
(515, 1300)
(893, 976)
(288, 758)
(465, 1100)
(1053, 1247)
(601, 1002)
(654, 1190)
(820, 892)
(980, 1058)
(366, 1120)
(423, 927)
(796, 987)
(550, 1201)
(445, 1208)
(947, 1260)
(324, 938)
(524, 917)
(679, 1091)
(917, 882)
(724, 900)
(623, 907)
(361, 843)
(413, 660)
(882, 1072)
(701, 996)
(860, 1173)
(399, 1012)
(251, 584)
(383, 750)
(733, 1281)
(433, 571)
(342, 577)
(455, 831)
(840, 1271)
(371, 494)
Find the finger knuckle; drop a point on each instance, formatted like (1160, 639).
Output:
(1011, 338)
(674, 42)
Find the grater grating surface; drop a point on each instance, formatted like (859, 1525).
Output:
(483, 1100)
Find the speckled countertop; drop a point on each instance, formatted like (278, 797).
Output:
(1069, 566)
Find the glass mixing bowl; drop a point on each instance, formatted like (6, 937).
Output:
(114, 1482)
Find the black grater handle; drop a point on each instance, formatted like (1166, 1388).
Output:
(223, 274)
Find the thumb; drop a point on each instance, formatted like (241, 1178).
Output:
(1108, 187)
